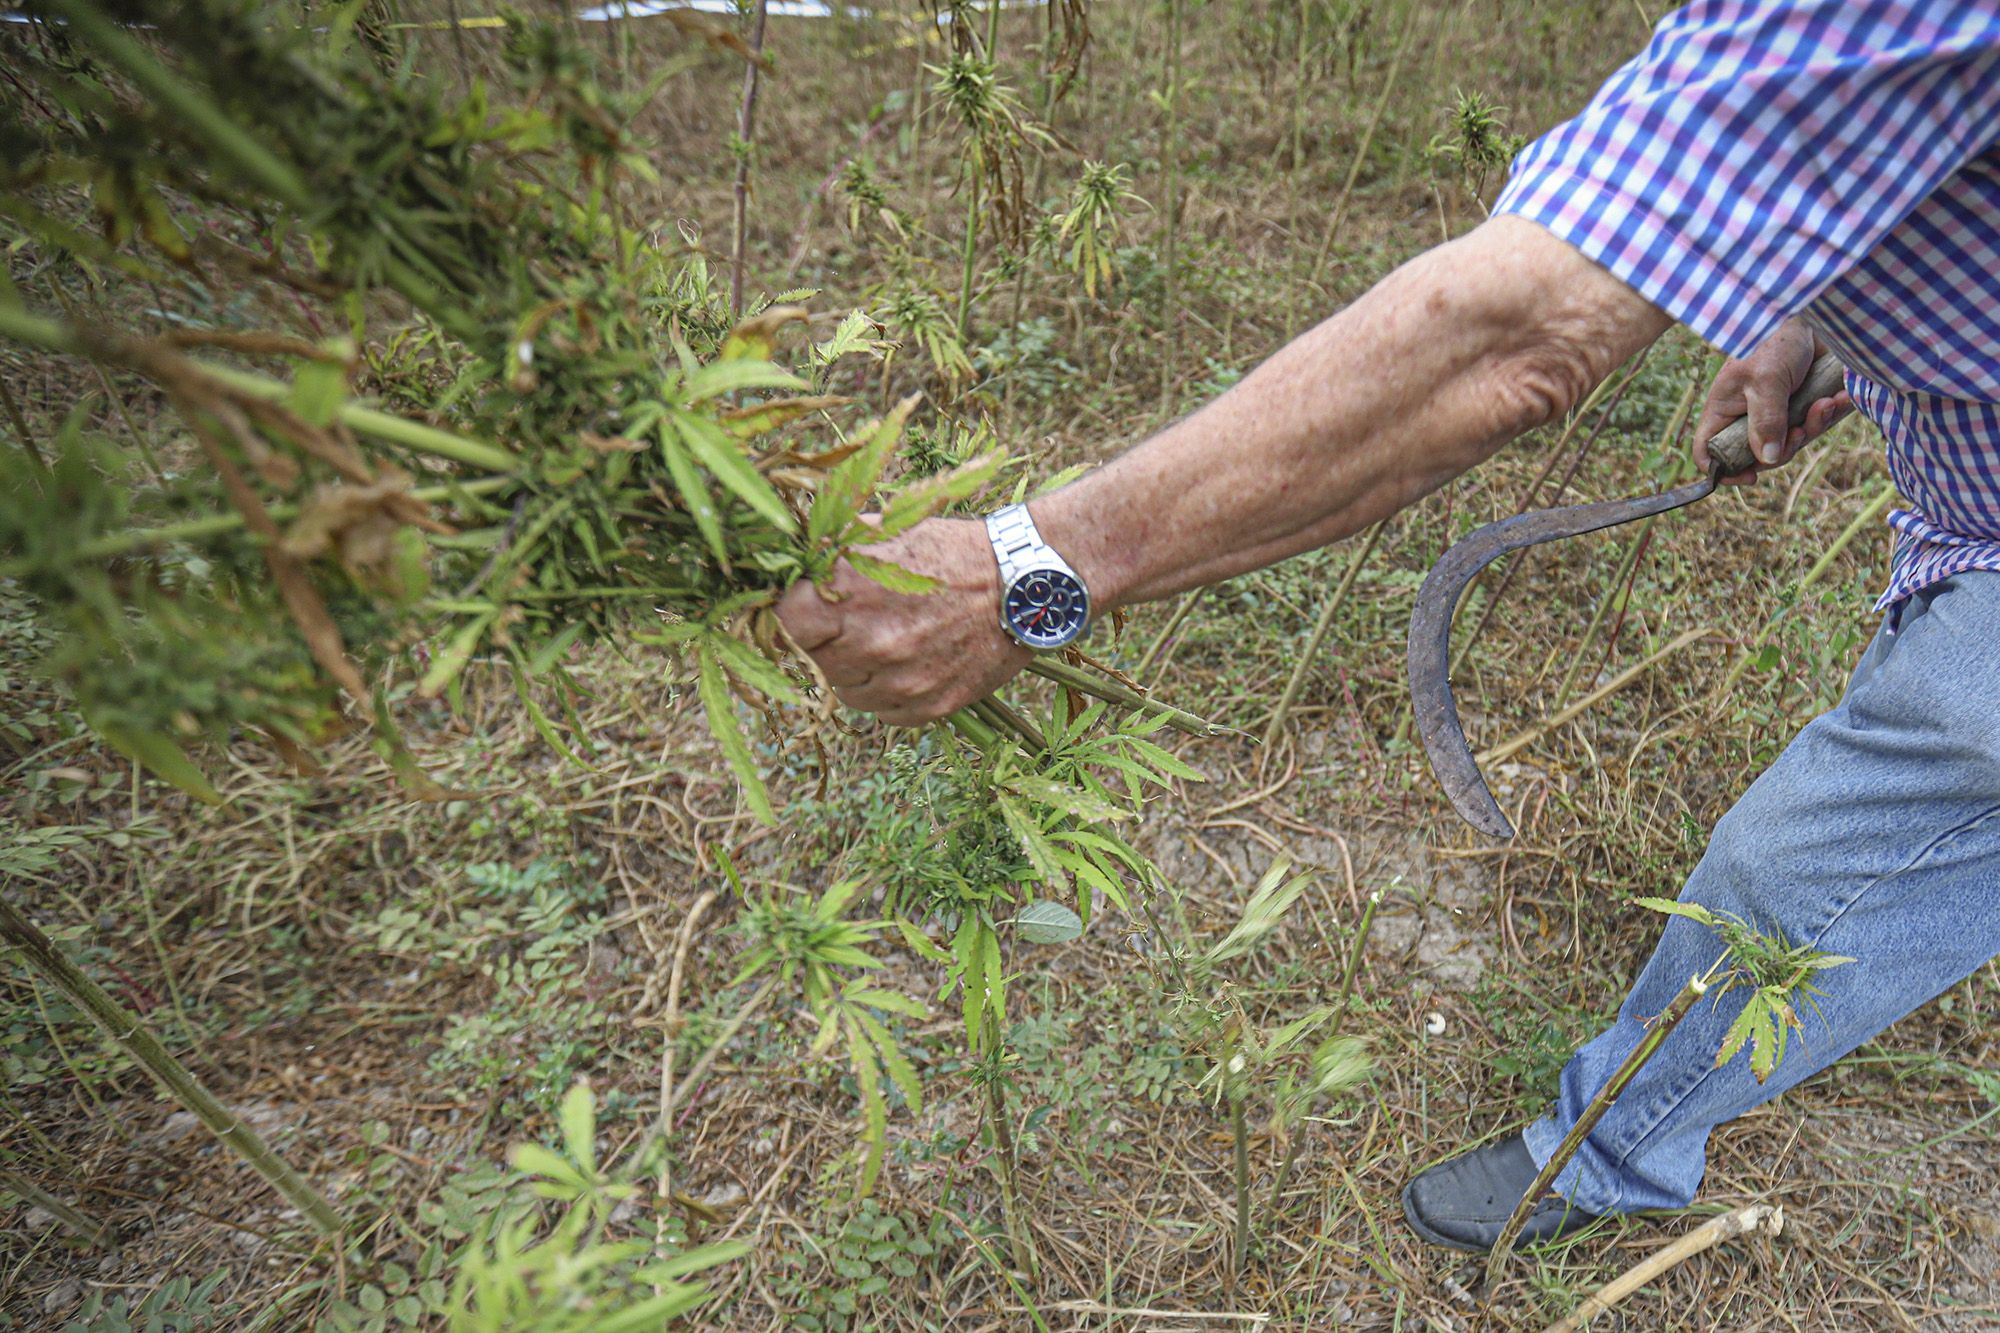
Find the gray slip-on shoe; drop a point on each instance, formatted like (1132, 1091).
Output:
(1464, 1203)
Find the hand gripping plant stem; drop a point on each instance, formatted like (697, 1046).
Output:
(1606, 1098)
(131, 1036)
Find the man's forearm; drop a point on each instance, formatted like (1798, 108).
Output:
(1429, 373)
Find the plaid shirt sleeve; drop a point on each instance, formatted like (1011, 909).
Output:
(1756, 150)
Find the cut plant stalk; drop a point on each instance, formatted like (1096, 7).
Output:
(1111, 691)
(1606, 1098)
(130, 1035)
(1746, 1221)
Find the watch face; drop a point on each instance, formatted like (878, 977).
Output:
(1046, 608)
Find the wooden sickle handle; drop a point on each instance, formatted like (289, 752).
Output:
(1729, 452)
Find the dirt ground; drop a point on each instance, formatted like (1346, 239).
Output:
(253, 937)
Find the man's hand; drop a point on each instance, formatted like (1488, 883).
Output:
(912, 658)
(1760, 387)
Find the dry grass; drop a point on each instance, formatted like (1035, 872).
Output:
(1884, 1165)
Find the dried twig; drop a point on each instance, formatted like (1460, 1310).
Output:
(1768, 1218)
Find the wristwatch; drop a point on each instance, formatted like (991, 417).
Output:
(1043, 604)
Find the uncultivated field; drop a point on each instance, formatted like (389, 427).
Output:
(395, 992)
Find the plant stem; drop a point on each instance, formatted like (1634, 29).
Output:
(96, 1233)
(1111, 691)
(1307, 658)
(971, 251)
(1361, 933)
(1339, 213)
(1745, 1221)
(1301, 8)
(1589, 701)
(972, 727)
(1171, 166)
(998, 713)
(131, 1036)
(214, 525)
(52, 336)
(20, 425)
(1606, 1098)
(1239, 1252)
(745, 130)
(1883, 499)
(1001, 1121)
(244, 154)
(379, 425)
(1174, 622)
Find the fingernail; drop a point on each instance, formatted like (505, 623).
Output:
(1768, 451)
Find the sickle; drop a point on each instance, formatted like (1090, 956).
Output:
(1437, 602)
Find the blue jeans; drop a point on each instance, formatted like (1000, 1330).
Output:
(1876, 834)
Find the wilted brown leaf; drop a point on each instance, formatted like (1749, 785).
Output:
(610, 444)
(757, 335)
(360, 525)
(745, 422)
(718, 35)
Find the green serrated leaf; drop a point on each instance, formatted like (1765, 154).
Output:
(753, 668)
(914, 504)
(1069, 799)
(1692, 911)
(160, 756)
(726, 463)
(892, 576)
(694, 492)
(921, 943)
(1734, 1040)
(737, 375)
(720, 707)
(901, 1072)
(874, 1108)
(1766, 1042)
(578, 1116)
(1045, 922)
(1161, 759)
(859, 473)
(1041, 855)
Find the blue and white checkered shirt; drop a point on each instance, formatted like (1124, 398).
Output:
(1836, 159)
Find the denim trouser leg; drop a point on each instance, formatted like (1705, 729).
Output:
(1877, 835)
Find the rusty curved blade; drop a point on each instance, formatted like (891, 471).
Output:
(1430, 632)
